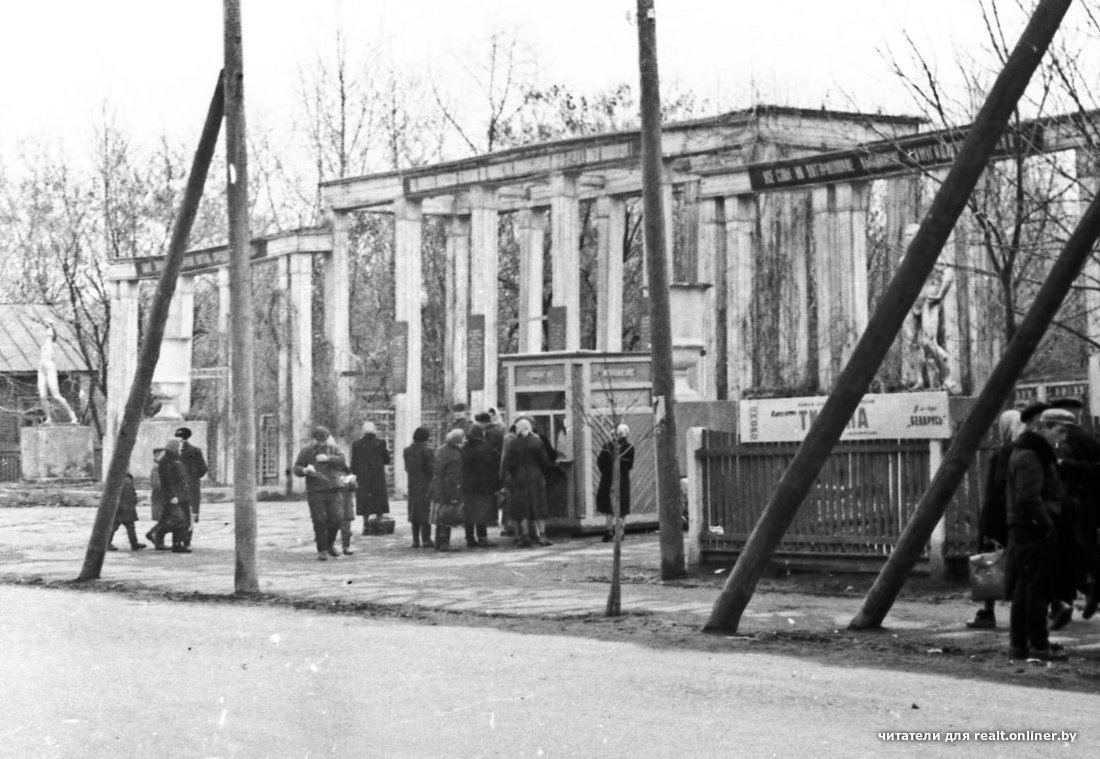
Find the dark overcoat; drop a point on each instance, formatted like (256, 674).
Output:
(419, 465)
(605, 463)
(194, 465)
(369, 457)
(480, 481)
(523, 470)
(127, 502)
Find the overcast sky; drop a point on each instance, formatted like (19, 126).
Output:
(153, 62)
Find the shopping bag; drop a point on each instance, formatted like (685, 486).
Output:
(987, 576)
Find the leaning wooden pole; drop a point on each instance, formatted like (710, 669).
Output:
(669, 516)
(149, 351)
(983, 414)
(888, 316)
(246, 580)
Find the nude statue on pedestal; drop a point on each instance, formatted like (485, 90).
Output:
(47, 379)
(926, 361)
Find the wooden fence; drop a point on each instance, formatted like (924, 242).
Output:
(861, 501)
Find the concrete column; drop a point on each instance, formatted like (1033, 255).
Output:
(840, 270)
(295, 360)
(123, 354)
(696, 492)
(707, 247)
(174, 364)
(565, 241)
(457, 308)
(740, 225)
(225, 462)
(1088, 176)
(408, 286)
(337, 278)
(531, 231)
(851, 246)
(610, 226)
(484, 287)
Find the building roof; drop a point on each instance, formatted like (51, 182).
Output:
(22, 332)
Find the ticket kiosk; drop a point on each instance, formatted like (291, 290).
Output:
(575, 400)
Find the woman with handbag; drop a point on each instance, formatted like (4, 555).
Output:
(446, 511)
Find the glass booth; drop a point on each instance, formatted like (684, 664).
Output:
(574, 401)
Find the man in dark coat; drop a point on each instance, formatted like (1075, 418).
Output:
(1035, 497)
(324, 466)
(419, 465)
(1079, 550)
(369, 457)
(194, 464)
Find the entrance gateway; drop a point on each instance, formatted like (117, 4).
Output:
(783, 225)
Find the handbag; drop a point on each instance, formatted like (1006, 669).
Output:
(449, 513)
(987, 576)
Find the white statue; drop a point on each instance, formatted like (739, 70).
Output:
(926, 360)
(47, 379)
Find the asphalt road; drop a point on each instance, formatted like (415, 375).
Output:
(103, 675)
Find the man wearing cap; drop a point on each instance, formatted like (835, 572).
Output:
(1079, 550)
(1035, 495)
(324, 466)
(194, 465)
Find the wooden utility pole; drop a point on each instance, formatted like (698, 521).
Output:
(887, 319)
(984, 412)
(149, 351)
(241, 362)
(668, 468)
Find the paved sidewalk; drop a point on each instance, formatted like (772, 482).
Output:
(566, 580)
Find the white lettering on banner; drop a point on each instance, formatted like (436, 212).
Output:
(891, 416)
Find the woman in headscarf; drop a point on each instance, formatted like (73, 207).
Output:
(605, 463)
(419, 464)
(369, 457)
(480, 478)
(447, 489)
(523, 470)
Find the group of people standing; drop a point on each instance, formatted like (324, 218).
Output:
(483, 474)
(1042, 503)
(480, 470)
(175, 496)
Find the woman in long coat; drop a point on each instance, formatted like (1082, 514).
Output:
(523, 469)
(369, 457)
(419, 465)
(605, 463)
(447, 489)
(480, 482)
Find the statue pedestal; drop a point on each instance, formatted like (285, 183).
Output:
(154, 433)
(51, 451)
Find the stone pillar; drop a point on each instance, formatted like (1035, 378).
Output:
(172, 376)
(740, 224)
(840, 268)
(457, 308)
(336, 308)
(295, 360)
(531, 231)
(610, 228)
(225, 464)
(1088, 175)
(707, 250)
(565, 241)
(408, 285)
(123, 355)
(484, 265)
